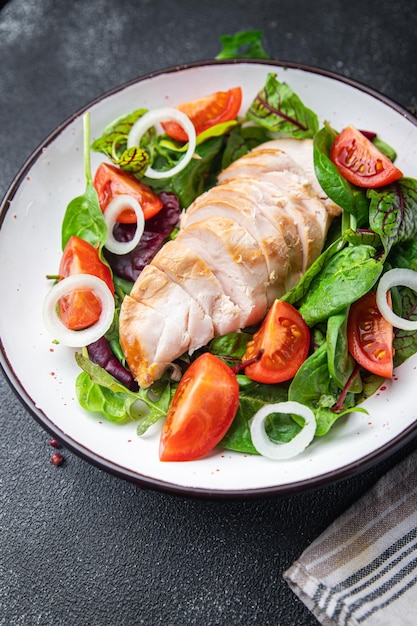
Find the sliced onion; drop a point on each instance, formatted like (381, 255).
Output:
(66, 286)
(153, 117)
(395, 278)
(113, 210)
(282, 451)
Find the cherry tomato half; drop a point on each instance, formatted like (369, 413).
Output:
(110, 180)
(81, 308)
(219, 107)
(201, 411)
(370, 336)
(284, 338)
(360, 162)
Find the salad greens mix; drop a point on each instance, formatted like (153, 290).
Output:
(375, 232)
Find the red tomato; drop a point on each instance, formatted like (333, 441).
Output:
(206, 112)
(111, 180)
(81, 308)
(360, 162)
(284, 338)
(370, 336)
(201, 411)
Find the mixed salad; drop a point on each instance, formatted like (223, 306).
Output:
(322, 349)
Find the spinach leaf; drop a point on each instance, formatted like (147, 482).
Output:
(371, 383)
(393, 212)
(347, 276)
(313, 387)
(385, 148)
(340, 363)
(244, 45)
(253, 396)
(83, 216)
(404, 255)
(230, 347)
(351, 198)
(300, 289)
(277, 108)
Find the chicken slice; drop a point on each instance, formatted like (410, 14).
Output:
(302, 151)
(288, 195)
(282, 155)
(148, 340)
(240, 202)
(158, 292)
(289, 208)
(235, 259)
(185, 267)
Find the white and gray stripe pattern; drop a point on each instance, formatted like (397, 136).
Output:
(363, 568)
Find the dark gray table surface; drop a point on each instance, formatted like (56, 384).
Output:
(77, 545)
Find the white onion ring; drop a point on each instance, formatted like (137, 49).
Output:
(78, 282)
(151, 118)
(113, 210)
(282, 451)
(395, 278)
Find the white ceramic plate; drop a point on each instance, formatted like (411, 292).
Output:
(43, 374)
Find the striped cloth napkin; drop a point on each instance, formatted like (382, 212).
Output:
(363, 568)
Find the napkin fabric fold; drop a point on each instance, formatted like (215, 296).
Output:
(363, 569)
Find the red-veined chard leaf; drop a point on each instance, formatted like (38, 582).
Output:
(393, 212)
(113, 143)
(277, 108)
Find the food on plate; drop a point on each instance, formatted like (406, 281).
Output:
(360, 162)
(81, 309)
(201, 411)
(263, 272)
(283, 340)
(110, 181)
(370, 336)
(256, 232)
(206, 112)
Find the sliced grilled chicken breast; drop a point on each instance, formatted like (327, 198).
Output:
(241, 244)
(149, 340)
(235, 259)
(282, 155)
(240, 201)
(185, 267)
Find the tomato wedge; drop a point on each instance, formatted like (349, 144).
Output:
(110, 180)
(81, 308)
(360, 162)
(284, 338)
(201, 411)
(370, 336)
(218, 107)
